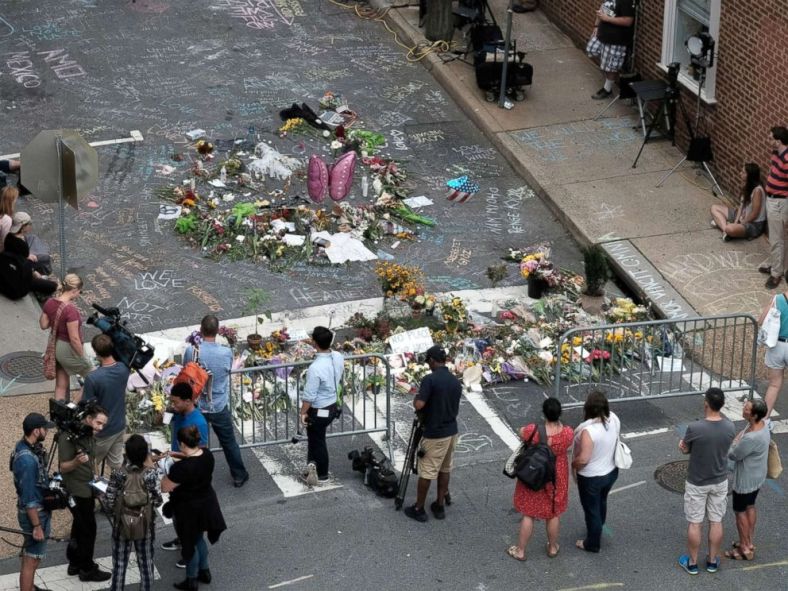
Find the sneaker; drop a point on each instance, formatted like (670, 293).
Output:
(601, 94)
(684, 562)
(180, 564)
(772, 282)
(725, 237)
(415, 513)
(712, 567)
(713, 224)
(311, 474)
(172, 545)
(765, 269)
(95, 576)
(439, 511)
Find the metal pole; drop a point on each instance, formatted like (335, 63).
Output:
(505, 67)
(61, 208)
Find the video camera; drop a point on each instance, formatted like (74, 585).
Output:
(70, 417)
(128, 348)
(377, 470)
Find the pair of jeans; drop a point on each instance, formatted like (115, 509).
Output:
(222, 423)
(199, 559)
(317, 450)
(83, 535)
(593, 491)
(31, 547)
(121, 549)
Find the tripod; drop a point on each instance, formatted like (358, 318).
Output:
(411, 463)
(667, 107)
(412, 455)
(700, 146)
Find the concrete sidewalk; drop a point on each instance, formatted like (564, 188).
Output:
(659, 239)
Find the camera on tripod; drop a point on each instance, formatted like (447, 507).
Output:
(69, 418)
(127, 347)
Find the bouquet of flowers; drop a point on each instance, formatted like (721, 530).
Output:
(536, 264)
(625, 310)
(454, 313)
(399, 280)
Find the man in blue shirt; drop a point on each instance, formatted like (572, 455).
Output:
(30, 479)
(214, 405)
(319, 403)
(107, 385)
(186, 415)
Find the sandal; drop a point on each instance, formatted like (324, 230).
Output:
(553, 554)
(737, 545)
(737, 554)
(512, 551)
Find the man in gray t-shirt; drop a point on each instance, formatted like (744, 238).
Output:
(706, 490)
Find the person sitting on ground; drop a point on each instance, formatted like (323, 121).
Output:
(749, 219)
(8, 197)
(39, 250)
(17, 274)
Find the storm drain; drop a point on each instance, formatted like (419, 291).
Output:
(26, 366)
(672, 475)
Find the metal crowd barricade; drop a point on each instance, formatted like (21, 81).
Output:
(657, 359)
(265, 401)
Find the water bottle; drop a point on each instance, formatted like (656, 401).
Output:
(223, 174)
(364, 186)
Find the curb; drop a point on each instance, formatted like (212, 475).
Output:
(505, 146)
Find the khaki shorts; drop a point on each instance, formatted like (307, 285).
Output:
(708, 501)
(110, 448)
(70, 361)
(438, 455)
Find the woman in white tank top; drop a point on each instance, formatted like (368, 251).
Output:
(594, 465)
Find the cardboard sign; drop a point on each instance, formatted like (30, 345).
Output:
(411, 341)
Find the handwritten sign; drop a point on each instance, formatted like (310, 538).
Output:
(411, 341)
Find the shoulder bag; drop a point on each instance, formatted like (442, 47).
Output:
(774, 465)
(770, 329)
(623, 455)
(50, 363)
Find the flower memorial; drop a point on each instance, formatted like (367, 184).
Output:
(246, 199)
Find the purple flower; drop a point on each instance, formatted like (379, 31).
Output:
(195, 339)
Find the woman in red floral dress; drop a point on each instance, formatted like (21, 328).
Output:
(539, 504)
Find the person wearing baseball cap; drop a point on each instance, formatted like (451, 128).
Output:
(29, 466)
(438, 401)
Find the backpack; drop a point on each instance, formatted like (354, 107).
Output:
(381, 478)
(536, 467)
(133, 512)
(197, 376)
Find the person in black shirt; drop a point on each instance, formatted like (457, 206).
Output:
(17, 265)
(438, 403)
(610, 39)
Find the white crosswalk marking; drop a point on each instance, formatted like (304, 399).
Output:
(56, 577)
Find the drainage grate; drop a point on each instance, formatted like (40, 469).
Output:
(26, 366)
(672, 475)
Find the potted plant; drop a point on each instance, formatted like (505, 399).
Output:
(256, 300)
(597, 272)
(375, 382)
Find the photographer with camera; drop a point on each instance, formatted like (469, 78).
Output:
(438, 402)
(319, 404)
(29, 465)
(107, 386)
(77, 452)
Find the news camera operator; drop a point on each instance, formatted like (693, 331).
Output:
(29, 465)
(438, 403)
(76, 453)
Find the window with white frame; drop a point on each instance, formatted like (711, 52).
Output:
(683, 19)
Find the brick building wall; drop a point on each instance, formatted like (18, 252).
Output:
(751, 80)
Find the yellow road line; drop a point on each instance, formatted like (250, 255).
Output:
(767, 565)
(594, 586)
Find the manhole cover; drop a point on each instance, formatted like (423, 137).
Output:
(672, 475)
(26, 366)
